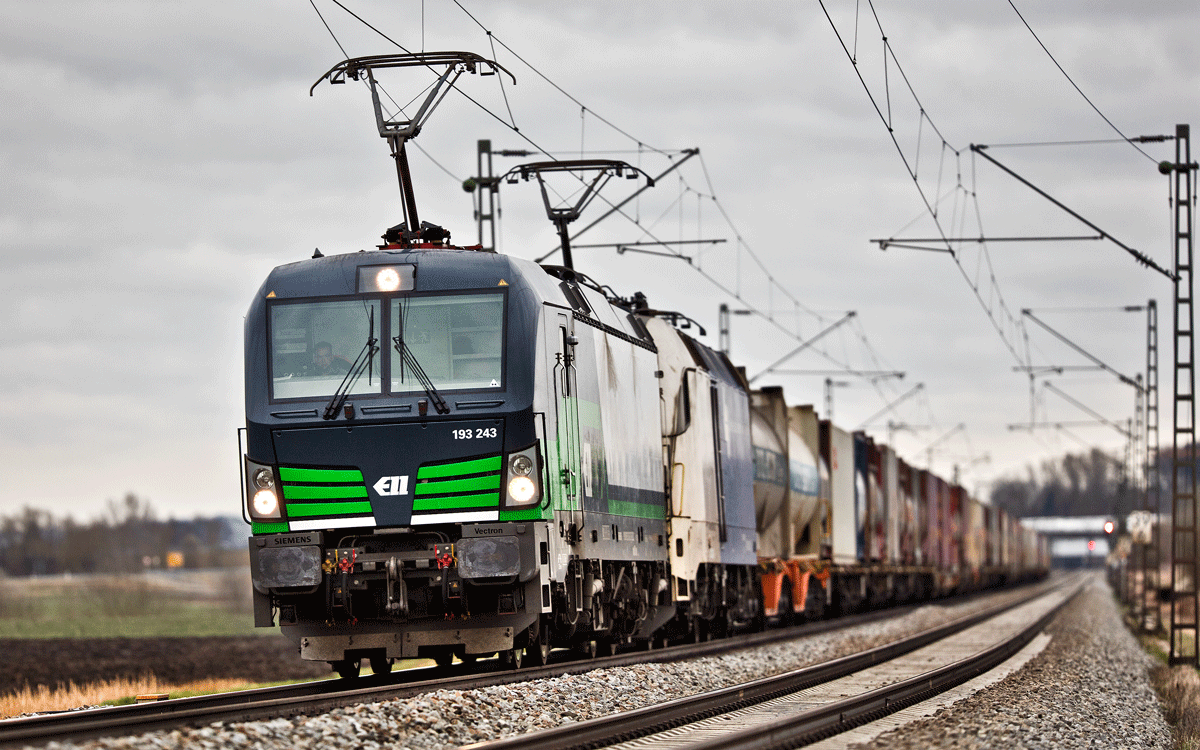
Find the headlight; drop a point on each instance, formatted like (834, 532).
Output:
(266, 504)
(520, 465)
(394, 278)
(387, 280)
(521, 490)
(264, 479)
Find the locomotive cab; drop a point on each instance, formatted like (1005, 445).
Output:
(394, 475)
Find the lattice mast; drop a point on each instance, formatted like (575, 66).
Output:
(1149, 613)
(1184, 629)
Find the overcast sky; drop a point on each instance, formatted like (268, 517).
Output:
(159, 158)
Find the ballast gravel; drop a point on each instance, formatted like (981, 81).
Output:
(451, 718)
(1089, 688)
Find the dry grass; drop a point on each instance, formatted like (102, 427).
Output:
(64, 698)
(1179, 690)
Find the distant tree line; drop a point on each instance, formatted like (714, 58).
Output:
(126, 539)
(1094, 483)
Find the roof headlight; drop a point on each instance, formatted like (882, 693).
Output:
(387, 280)
(521, 491)
(265, 504)
(394, 278)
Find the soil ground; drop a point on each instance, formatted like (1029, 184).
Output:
(51, 661)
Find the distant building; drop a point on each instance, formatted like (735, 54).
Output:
(1075, 541)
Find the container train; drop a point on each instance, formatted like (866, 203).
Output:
(451, 452)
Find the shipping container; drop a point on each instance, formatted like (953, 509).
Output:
(837, 449)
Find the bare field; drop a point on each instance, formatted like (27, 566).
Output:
(151, 604)
(177, 661)
(176, 627)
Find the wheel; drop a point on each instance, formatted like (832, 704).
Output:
(814, 603)
(605, 648)
(347, 669)
(587, 649)
(786, 609)
(381, 664)
(443, 658)
(538, 652)
(720, 626)
(469, 659)
(511, 658)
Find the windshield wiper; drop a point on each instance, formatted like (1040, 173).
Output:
(364, 360)
(406, 356)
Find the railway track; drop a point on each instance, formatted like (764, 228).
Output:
(809, 704)
(317, 697)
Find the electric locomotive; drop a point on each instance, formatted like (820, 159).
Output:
(483, 473)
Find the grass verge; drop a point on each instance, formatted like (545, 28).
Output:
(107, 692)
(1178, 689)
(121, 692)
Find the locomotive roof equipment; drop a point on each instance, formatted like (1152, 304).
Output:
(397, 132)
(605, 170)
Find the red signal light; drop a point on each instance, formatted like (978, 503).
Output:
(1091, 545)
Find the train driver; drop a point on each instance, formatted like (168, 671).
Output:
(326, 363)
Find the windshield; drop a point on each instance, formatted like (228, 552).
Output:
(313, 345)
(457, 339)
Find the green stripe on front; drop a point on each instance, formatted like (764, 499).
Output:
(637, 510)
(528, 514)
(475, 484)
(485, 500)
(320, 475)
(268, 528)
(297, 492)
(305, 510)
(476, 466)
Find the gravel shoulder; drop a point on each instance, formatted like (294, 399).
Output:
(1089, 688)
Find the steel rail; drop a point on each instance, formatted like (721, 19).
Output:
(326, 695)
(835, 718)
(632, 725)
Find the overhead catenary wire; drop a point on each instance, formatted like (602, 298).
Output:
(493, 37)
(772, 282)
(1076, 86)
(982, 280)
(742, 246)
(931, 208)
(543, 76)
